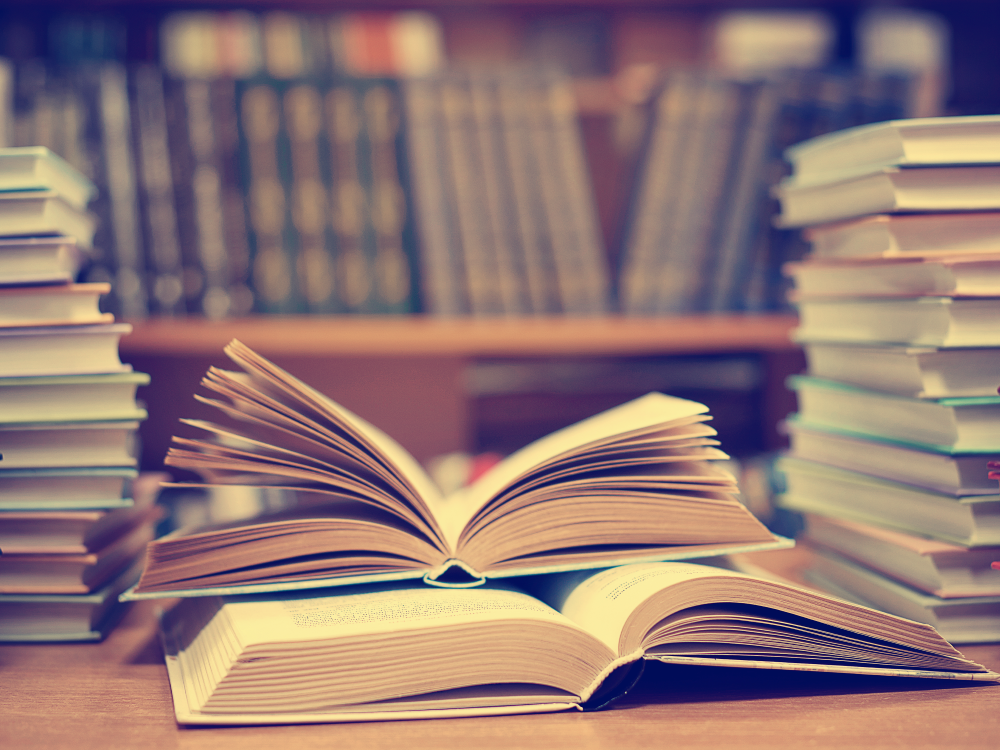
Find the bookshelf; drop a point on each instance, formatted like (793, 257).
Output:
(407, 374)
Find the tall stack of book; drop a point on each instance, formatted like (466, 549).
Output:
(899, 305)
(377, 598)
(72, 524)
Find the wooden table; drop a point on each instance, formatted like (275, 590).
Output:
(115, 695)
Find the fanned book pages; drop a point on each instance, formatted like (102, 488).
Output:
(636, 482)
(576, 641)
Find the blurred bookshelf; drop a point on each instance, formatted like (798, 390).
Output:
(410, 373)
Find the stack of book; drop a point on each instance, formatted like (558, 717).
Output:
(71, 524)
(545, 585)
(898, 416)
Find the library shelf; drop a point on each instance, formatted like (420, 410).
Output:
(354, 336)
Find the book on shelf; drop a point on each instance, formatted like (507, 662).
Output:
(74, 572)
(957, 425)
(943, 569)
(61, 350)
(63, 617)
(965, 620)
(925, 466)
(919, 321)
(53, 305)
(64, 444)
(962, 276)
(813, 487)
(642, 474)
(66, 488)
(38, 168)
(890, 190)
(911, 142)
(929, 235)
(44, 212)
(39, 260)
(576, 641)
(68, 398)
(916, 372)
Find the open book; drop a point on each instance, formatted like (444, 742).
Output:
(633, 483)
(404, 650)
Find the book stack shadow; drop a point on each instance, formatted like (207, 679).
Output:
(74, 516)
(898, 415)
(545, 585)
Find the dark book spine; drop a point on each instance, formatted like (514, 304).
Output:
(441, 269)
(266, 176)
(390, 209)
(158, 214)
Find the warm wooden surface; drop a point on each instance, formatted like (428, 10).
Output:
(115, 695)
(325, 336)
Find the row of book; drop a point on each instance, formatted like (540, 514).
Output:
(450, 194)
(700, 237)
(899, 416)
(74, 514)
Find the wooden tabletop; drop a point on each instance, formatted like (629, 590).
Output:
(115, 695)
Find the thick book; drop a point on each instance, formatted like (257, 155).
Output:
(943, 569)
(66, 488)
(918, 372)
(917, 141)
(61, 350)
(906, 235)
(44, 212)
(575, 642)
(890, 190)
(71, 398)
(636, 482)
(813, 487)
(33, 618)
(911, 463)
(962, 276)
(958, 425)
(39, 260)
(67, 444)
(53, 305)
(919, 321)
(38, 168)
(967, 620)
(75, 572)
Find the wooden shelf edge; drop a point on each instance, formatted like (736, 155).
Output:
(417, 336)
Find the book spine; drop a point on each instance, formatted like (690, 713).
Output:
(497, 191)
(240, 295)
(354, 268)
(530, 223)
(440, 263)
(266, 176)
(119, 169)
(683, 288)
(589, 257)
(302, 103)
(156, 191)
(740, 223)
(653, 206)
(390, 210)
(465, 173)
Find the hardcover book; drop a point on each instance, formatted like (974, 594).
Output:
(576, 641)
(636, 482)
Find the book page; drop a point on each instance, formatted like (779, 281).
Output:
(641, 413)
(376, 610)
(601, 603)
